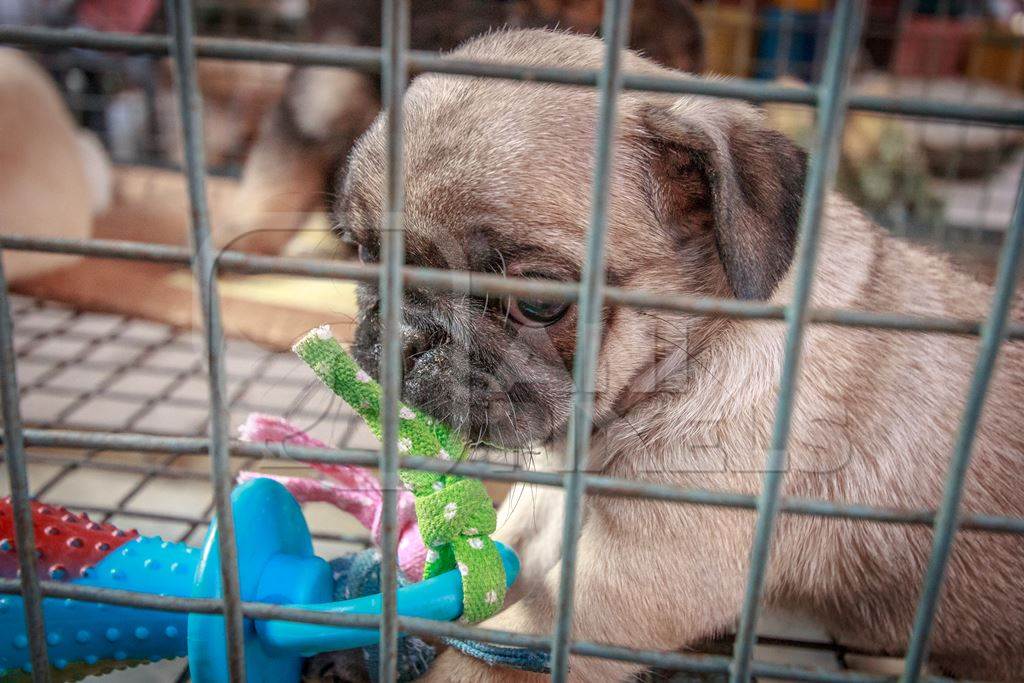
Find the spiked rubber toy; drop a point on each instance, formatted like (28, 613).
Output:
(276, 565)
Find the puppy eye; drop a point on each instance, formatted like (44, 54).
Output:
(534, 313)
(363, 252)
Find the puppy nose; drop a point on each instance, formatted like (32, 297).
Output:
(415, 342)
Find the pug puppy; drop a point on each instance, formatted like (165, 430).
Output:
(704, 201)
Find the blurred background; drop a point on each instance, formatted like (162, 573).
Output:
(90, 146)
(945, 183)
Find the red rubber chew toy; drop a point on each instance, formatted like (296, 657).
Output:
(67, 544)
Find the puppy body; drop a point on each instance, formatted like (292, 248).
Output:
(874, 425)
(43, 155)
(702, 203)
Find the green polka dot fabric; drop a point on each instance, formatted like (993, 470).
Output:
(455, 514)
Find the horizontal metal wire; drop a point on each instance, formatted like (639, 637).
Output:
(427, 627)
(155, 368)
(495, 285)
(495, 471)
(369, 60)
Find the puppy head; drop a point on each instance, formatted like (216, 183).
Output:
(704, 200)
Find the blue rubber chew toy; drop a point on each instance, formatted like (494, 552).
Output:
(276, 565)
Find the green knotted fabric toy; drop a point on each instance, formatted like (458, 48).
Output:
(455, 514)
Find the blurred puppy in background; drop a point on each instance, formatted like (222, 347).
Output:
(704, 200)
(304, 139)
(43, 155)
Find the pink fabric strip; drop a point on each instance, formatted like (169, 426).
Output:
(353, 489)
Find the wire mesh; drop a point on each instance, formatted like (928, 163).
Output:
(395, 62)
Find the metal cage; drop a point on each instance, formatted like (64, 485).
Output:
(395, 63)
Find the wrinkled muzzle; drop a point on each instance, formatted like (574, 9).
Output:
(465, 368)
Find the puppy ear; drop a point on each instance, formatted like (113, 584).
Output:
(718, 167)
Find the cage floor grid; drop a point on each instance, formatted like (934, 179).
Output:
(90, 371)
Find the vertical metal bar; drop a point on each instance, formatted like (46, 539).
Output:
(615, 31)
(24, 534)
(842, 46)
(948, 517)
(204, 270)
(395, 22)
